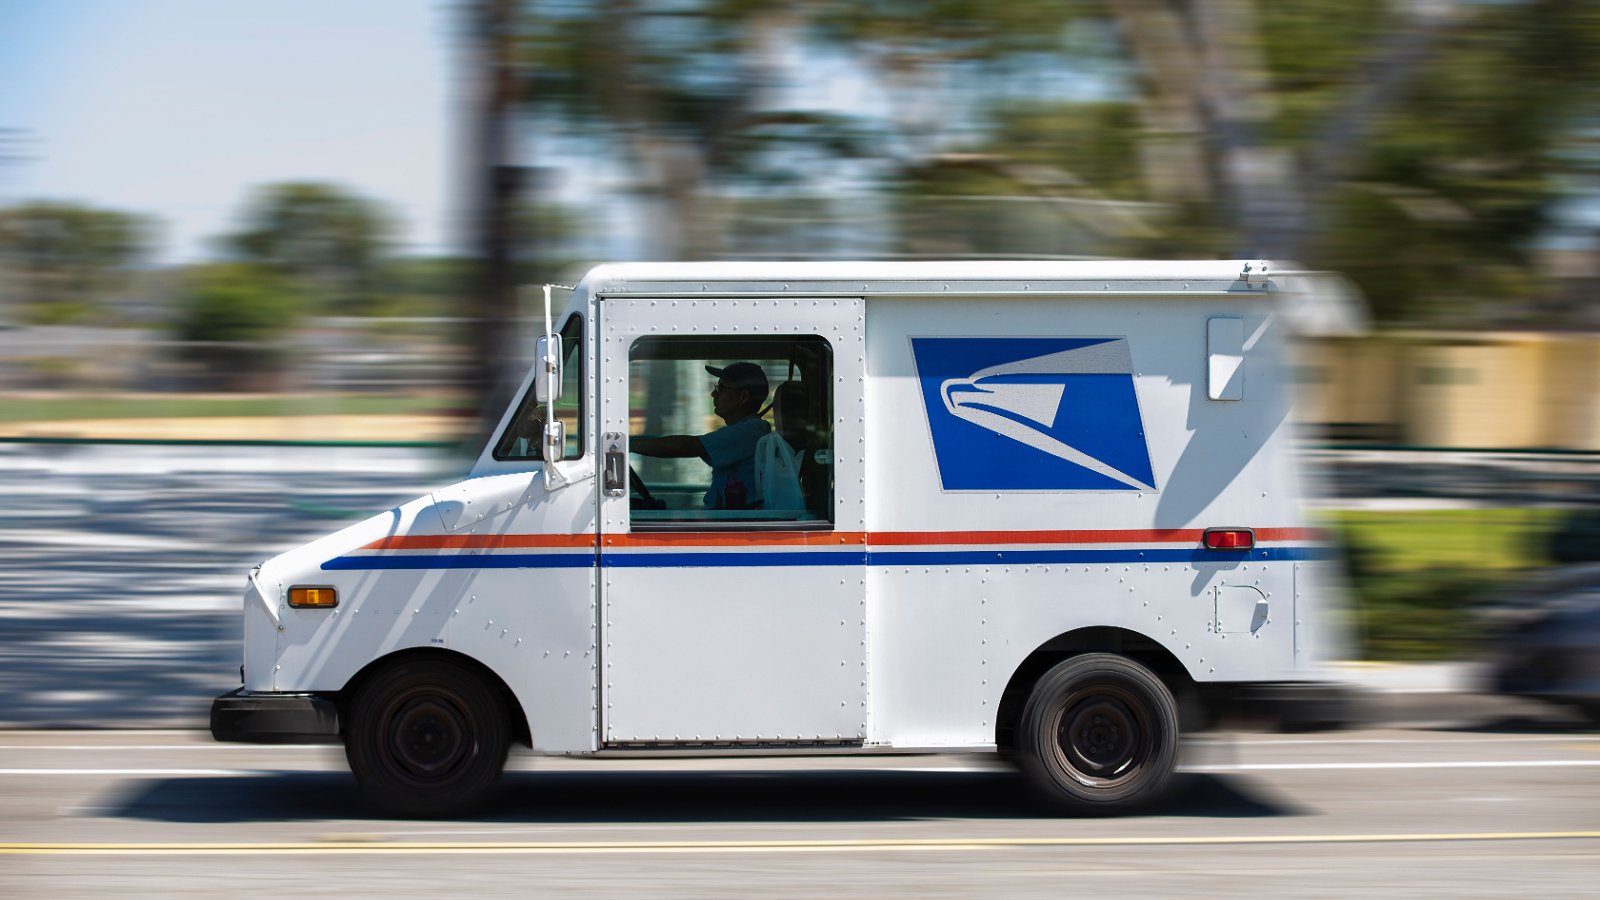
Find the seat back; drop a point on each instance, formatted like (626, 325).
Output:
(777, 470)
(793, 420)
(791, 414)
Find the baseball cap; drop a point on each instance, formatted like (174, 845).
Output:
(743, 375)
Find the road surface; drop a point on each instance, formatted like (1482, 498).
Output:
(1494, 810)
(122, 567)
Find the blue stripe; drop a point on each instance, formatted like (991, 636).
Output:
(798, 558)
(466, 561)
(698, 560)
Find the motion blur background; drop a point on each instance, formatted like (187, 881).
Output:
(256, 229)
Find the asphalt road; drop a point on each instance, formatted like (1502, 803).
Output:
(122, 567)
(1474, 811)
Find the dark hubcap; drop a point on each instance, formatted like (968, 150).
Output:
(1101, 737)
(429, 737)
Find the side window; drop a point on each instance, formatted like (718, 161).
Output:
(521, 437)
(731, 431)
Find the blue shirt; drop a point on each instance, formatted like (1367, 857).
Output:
(731, 451)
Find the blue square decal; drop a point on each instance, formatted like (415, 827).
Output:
(1033, 414)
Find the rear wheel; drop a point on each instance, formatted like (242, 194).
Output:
(426, 738)
(1099, 732)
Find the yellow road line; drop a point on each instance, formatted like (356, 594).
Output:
(341, 845)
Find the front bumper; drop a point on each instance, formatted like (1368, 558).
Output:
(259, 718)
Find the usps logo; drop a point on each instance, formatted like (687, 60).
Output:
(1033, 414)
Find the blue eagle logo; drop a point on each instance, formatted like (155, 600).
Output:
(1033, 413)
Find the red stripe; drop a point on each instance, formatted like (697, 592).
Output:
(479, 541)
(663, 539)
(822, 538)
(738, 539)
(1084, 536)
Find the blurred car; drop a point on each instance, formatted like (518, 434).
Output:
(1545, 643)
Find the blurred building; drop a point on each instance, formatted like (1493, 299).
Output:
(1502, 390)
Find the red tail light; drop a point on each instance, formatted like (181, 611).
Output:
(1230, 538)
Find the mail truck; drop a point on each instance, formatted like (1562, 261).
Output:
(1050, 510)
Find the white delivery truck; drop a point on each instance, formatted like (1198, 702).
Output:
(1028, 507)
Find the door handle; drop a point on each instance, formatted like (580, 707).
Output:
(616, 465)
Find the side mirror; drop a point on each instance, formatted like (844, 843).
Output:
(555, 440)
(547, 366)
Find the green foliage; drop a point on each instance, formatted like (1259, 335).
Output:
(1096, 142)
(64, 259)
(947, 31)
(1317, 53)
(1418, 579)
(424, 286)
(1423, 614)
(1438, 222)
(322, 240)
(15, 409)
(232, 317)
(236, 303)
(636, 65)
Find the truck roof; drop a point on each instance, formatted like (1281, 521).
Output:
(986, 276)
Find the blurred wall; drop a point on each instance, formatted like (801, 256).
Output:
(1501, 390)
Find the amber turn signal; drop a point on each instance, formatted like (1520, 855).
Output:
(313, 597)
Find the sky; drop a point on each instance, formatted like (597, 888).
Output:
(178, 108)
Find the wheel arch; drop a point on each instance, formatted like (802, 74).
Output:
(1141, 648)
(521, 732)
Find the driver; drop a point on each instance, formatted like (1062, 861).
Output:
(730, 450)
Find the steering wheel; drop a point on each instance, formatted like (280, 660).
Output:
(644, 500)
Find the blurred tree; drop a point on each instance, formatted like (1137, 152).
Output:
(545, 246)
(1422, 147)
(941, 64)
(548, 241)
(1416, 146)
(957, 78)
(691, 94)
(495, 184)
(63, 260)
(426, 286)
(322, 240)
(232, 317)
(1440, 214)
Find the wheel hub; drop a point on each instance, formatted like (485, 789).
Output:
(429, 737)
(1100, 736)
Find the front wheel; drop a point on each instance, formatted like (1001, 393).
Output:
(1099, 732)
(426, 738)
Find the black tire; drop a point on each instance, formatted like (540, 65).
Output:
(1099, 733)
(426, 738)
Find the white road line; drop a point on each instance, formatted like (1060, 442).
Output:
(139, 747)
(121, 732)
(230, 772)
(1464, 764)
(362, 846)
(101, 540)
(1441, 741)
(1222, 743)
(1240, 767)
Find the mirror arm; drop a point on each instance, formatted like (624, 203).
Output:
(555, 438)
